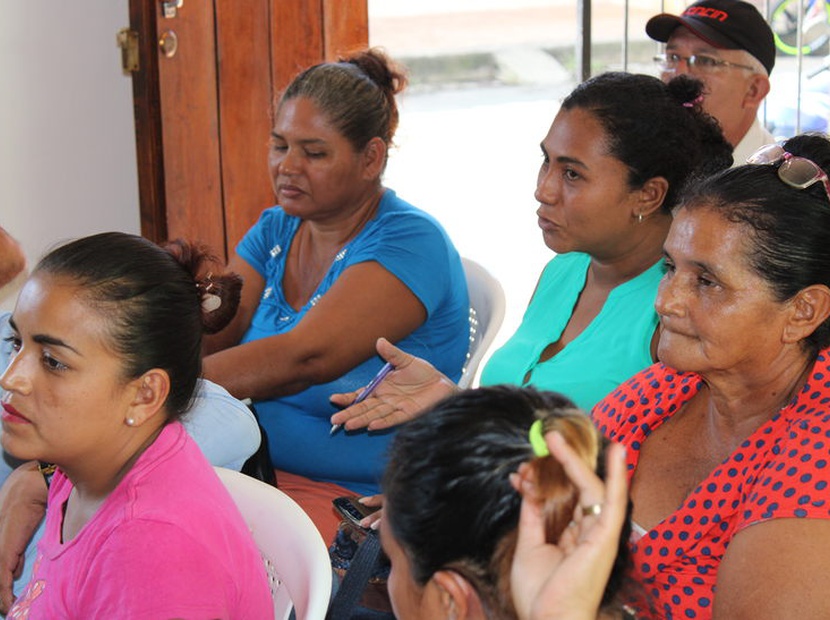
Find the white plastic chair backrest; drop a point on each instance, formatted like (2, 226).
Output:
(487, 304)
(295, 556)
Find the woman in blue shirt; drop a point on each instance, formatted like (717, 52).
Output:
(340, 262)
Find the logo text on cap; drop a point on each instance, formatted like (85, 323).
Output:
(703, 11)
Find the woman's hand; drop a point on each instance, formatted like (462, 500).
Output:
(22, 506)
(404, 394)
(373, 520)
(566, 581)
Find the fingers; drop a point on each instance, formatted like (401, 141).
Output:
(6, 595)
(389, 353)
(372, 501)
(373, 413)
(524, 481)
(570, 574)
(392, 354)
(531, 517)
(394, 417)
(344, 399)
(591, 488)
(364, 413)
(6, 599)
(352, 412)
(611, 496)
(7, 577)
(372, 521)
(616, 487)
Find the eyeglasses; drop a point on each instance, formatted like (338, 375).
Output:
(699, 63)
(797, 172)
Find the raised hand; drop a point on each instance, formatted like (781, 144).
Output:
(566, 581)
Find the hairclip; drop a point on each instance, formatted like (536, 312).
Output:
(210, 301)
(537, 441)
(696, 101)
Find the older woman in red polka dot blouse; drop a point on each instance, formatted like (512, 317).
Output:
(729, 436)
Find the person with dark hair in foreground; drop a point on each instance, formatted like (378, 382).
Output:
(453, 505)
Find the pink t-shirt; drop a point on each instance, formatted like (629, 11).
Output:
(167, 543)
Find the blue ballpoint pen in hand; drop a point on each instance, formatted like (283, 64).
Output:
(365, 392)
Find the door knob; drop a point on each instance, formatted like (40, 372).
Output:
(169, 43)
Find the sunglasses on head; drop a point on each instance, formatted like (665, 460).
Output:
(795, 171)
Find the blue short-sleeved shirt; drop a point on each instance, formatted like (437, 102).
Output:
(412, 246)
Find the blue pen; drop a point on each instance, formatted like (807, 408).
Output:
(365, 392)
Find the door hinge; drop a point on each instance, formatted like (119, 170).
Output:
(128, 42)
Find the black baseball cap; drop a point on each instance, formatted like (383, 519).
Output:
(726, 24)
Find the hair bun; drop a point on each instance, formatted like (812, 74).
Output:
(218, 294)
(378, 67)
(210, 300)
(219, 297)
(686, 90)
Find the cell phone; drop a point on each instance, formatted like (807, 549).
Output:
(351, 509)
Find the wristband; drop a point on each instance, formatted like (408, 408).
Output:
(47, 470)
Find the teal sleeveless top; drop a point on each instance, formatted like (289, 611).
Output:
(612, 348)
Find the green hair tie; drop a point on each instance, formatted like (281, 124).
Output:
(537, 440)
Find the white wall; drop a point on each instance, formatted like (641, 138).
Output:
(67, 138)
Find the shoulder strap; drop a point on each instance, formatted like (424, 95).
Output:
(356, 578)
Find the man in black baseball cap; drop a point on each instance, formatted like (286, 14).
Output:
(730, 47)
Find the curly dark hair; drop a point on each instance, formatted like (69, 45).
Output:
(448, 498)
(656, 129)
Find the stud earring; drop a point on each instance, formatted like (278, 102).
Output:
(639, 218)
(130, 422)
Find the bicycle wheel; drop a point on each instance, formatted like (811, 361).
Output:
(815, 24)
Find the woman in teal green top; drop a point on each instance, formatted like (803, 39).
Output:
(598, 359)
(614, 159)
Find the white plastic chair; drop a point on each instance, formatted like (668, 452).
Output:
(295, 556)
(487, 305)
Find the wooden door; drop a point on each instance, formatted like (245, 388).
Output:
(203, 113)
